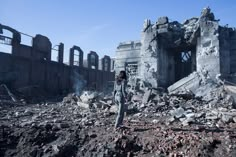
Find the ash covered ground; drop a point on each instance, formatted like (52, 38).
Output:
(156, 124)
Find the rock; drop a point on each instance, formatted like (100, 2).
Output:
(187, 121)
(171, 119)
(226, 118)
(199, 115)
(234, 119)
(211, 117)
(178, 113)
(156, 98)
(92, 135)
(64, 125)
(17, 114)
(55, 128)
(189, 115)
(222, 109)
(97, 105)
(88, 96)
(137, 115)
(110, 102)
(136, 98)
(146, 96)
(155, 121)
(55, 148)
(114, 109)
(143, 106)
(230, 99)
(83, 105)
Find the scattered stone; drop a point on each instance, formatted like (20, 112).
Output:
(234, 119)
(114, 109)
(226, 118)
(178, 113)
(189, 115)
(171, 119)
(88, 96)
(83, 105)
(155, 121)
(136, 98)
(64, 125)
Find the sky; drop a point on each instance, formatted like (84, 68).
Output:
(100, 25)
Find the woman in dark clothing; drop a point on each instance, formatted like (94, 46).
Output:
(120, 96)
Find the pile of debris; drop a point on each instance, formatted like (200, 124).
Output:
(157, 123)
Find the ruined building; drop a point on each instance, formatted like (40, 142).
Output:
(31, 65)
(180, 54)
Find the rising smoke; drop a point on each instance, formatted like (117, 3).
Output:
(79, 83)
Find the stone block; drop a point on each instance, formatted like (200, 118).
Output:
(162, 20)
(146, 96)
(83, 105)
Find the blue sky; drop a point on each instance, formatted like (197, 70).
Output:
(99, 25)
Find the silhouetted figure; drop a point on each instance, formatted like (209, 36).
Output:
(120, 96)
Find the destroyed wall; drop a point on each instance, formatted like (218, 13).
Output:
(30, 66)
(170, 51)
(148, 55)
(208, 55)
(162, 47)
(215, 58)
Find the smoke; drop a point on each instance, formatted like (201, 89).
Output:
(79, 83)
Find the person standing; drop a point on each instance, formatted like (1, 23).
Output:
(120, 96)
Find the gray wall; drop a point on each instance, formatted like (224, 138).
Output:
(208, 56)
(232, 52)
(18, 72)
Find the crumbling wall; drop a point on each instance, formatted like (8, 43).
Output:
(208, 55)
(149, 55)
(211, 50)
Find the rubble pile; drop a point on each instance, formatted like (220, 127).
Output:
(156, 124)
(215, 108)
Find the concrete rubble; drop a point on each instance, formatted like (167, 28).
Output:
(157, 124)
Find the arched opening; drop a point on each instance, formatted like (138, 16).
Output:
(106, 65)
(55, 53)
(76, 57)
(93, 61)
(6, 41)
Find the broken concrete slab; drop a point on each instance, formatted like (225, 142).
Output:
(191, 83)
(146, 96)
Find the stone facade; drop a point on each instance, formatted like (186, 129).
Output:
(128, 58)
